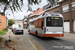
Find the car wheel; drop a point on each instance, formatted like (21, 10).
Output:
(22, 33)
(12, 30)
(29, 31)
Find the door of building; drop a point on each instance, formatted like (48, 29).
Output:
(73, 25)
(66, 26)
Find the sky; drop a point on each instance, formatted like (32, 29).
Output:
(20, 15)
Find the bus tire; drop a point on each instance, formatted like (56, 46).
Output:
(36, 33)
(29, 31)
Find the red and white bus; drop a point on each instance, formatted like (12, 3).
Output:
(47, 25)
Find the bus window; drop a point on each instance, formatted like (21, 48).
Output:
(54, 22)
(31, 23)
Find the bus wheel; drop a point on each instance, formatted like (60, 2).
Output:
(36, 33)
(29, 31)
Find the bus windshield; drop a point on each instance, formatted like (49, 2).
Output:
(54, 21)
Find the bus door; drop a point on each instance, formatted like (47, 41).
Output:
(42, 28)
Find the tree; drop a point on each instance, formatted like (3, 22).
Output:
(52, 2)
(16, 5)
(11, 22)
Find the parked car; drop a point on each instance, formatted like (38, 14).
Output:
(18, 31)
(10, 27)
(14, 26)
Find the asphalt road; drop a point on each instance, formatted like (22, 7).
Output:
(51, 43)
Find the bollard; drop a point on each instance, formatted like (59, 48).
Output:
(9, 39)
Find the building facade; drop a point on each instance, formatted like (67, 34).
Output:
(3, 22)
(67, 9)
(34, 15)
(19, 22)
(25, 23)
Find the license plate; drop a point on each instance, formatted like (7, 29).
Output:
(19, 30)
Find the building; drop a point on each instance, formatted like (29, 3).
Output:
(19, 22)
(25, 22)
(67, 9)
(3, 22)
(34, 15)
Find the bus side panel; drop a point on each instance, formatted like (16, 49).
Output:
(41, 25)
(32, 29)
(32, 32)
(38, 26)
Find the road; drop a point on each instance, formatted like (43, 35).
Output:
(51, 43)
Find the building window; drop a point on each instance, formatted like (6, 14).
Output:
(65, 8)
(25, 21)
(31, 23)
(73, 6)
(57, 11)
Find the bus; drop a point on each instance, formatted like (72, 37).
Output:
(47, 25)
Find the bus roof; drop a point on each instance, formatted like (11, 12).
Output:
(52, 14)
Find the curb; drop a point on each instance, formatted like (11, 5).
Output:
(32, 44)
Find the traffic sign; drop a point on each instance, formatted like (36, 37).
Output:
(8, 22)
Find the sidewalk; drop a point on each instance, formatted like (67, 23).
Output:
(69, 37)
(20, 42)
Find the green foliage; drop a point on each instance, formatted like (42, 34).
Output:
(5, 29)
(8, 26)
(2, 32)
(1, 39)
(11, 22)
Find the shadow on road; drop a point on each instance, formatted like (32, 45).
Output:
(18, 34)
(46, 38)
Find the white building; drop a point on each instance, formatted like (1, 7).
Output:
(25, 22)
(19, 22)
